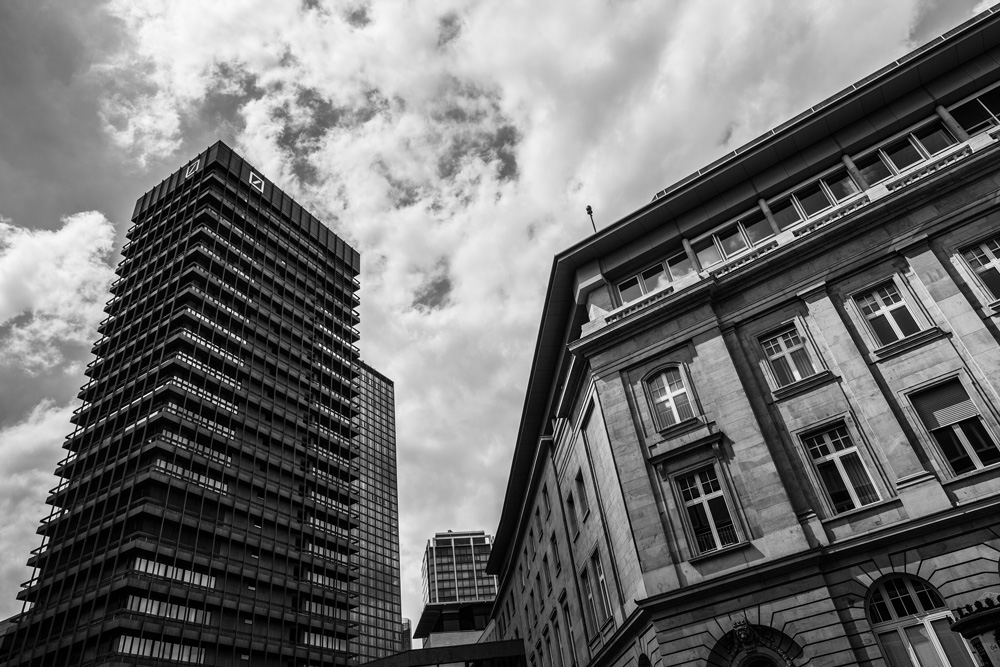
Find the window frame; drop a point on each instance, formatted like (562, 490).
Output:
(908, 300)
(985, 421)
(858, 446)
(581, 490)
(652, 402)
(988, 297)
(602, 586)
(805, 344)
(724, 492)
(664, 266)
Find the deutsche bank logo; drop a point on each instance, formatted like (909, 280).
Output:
(256, 182)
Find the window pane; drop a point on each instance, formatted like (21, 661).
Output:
(991, 100)
(951, 642)
(654, 278)
(841, 185)
(980, 440)
(707, 253)
(665, 414)
(723, 521)
(683, 405)
(785, 214)
(873, 169)
(903, 154)
(895, 651)
(782, 371)
(973, 117)
(630, 290)
(732, 241)
(905, 321)
(883, 330)
(679, 266)
(757, 229)
(878, 609)
(934, 138)
(921, 644)
(701, 528)
(834, 483)
(953, 450)
(899, 596)
(858, 476)
(813, 199)
(802, 362)
(991, 279)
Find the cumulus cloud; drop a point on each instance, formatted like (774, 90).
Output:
(456, 145)
(29, 451)
(53, 285)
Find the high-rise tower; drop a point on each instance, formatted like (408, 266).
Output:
(207, 505)
(379, 610)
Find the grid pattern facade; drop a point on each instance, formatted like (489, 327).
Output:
(454, 568)
(379, 604)
(206, 509)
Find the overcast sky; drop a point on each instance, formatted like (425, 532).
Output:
(454, 144)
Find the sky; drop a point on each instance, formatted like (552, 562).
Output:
(454, 144)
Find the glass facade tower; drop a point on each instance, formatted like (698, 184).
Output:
(207, 509)
(379, 600)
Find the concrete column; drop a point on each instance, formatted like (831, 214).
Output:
(770, 216)
(692, 257)
(952, 124)
(853, 170)
(918, 488)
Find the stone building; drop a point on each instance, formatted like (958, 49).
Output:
(761, 426)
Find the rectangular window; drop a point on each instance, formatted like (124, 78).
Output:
(984, 259)
(569, 632)
(590, 601)
(887, 314)
(581, 491)
(708, 513)
(545, 499)
(602, 586)
(555, 552)
(654, 278)
(787, 356)
(873, 169)
(841, 470)
(784, 214)
(548, 573)
(954, 421)
(574, 521)
(671, 401)
(538, 521)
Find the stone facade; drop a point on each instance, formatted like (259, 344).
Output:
(763, 422)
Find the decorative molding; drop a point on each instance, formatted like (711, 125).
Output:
(804, 385)
(834, 215)
(929, 167)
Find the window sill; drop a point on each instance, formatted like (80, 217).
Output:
(585, 516)
(902, 345)
(994, 307)
(871, 508)
(966, 476)
(681, 428)
(804, 385)
(739, 546)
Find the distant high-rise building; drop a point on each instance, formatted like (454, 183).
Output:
(458, 593)
(454, 568)
(407, 636)
(379, 607)
(207, 504)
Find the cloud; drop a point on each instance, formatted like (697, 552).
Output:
(53, 286)
(456, 145)
(29, 451)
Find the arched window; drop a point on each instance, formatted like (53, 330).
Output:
(669, 397)
(912, 624)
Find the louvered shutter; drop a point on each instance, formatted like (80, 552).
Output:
(944, 404)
